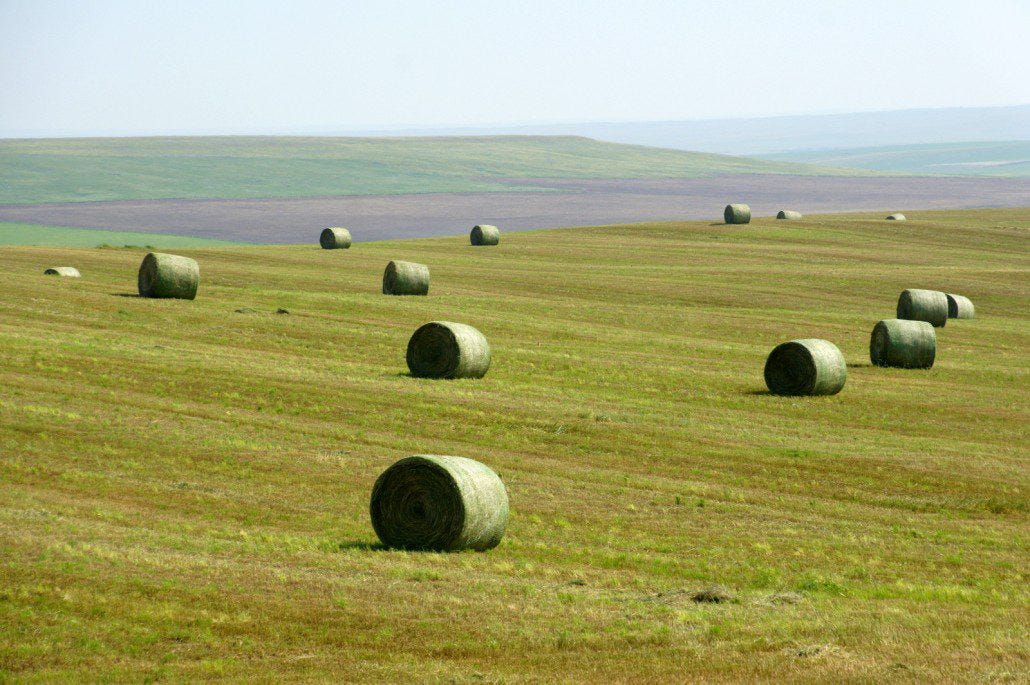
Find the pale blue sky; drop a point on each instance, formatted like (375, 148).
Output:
(123, 67)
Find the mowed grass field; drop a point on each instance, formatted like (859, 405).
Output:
(185, 487)
(85, 169)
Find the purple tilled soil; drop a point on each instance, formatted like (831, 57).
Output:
(582, 202)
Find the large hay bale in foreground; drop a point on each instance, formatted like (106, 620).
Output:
(485, 234)
(66, 271)
(444, 349)
(916, 304)
(789, 215)
(960, 307)
(439, 503)
(406, 278)
(335, 238)
(168, 275)
(809, 366)
(902, 343)
(896, 217)
(737, 214)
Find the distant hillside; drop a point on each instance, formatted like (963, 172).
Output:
(1010, 158)
(70, 170)
(66, 236)
(806, 132)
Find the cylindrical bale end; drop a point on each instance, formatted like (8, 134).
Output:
(896, 217)
(737, 214)
(443, 349)
(960, 307)
(903, 344)
(406, 278)
(485, 234)
(916, 304)
(335, 238)
(439, 503)
(805, 367)
(66, 271)
(789, 215)
(168, 275)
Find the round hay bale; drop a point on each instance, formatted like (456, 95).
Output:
(485, 234)
(896, 217)
(903, 344)
(439, 503)
(66, 271)
(789, 215)
(334, 239)
(737, 214)
(168, 275)
(805, 367)
(960, 307)
(406, 278)
(443, 349)
(916, 304)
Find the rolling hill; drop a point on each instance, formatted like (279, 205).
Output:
(74, 170)
(1010, 158)
(66, 236)
(186, 483)
(766, 135)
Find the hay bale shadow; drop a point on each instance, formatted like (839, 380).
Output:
(125, 294)
(362, 545)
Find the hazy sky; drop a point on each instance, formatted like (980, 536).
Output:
(88, 67)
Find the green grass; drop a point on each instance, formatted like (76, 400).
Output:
(185, 488)
(1008, 158)
(73, 170)
(34, 234)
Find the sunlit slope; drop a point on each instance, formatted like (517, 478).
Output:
(70, 170)
(33, 234)
(185, 486)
